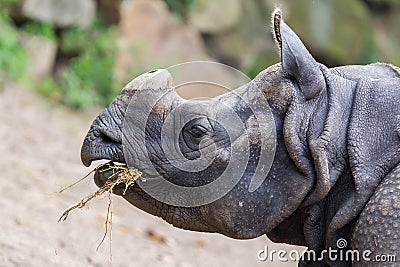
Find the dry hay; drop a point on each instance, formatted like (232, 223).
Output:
(121, 175)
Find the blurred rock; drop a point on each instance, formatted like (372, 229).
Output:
(109, 11)
(62, 13)
(338, 32)
(13, 10)
(215, 16)
(387, 36)
(247, 41)
(382, 5)
(151, 38)
(41, 55)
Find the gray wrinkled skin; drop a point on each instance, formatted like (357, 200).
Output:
(336, 169)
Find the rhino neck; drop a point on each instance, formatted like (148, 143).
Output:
(317, 139)
(315, 131)
(327, 124)
(316, 134)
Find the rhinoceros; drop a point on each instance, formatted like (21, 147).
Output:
(335, 173)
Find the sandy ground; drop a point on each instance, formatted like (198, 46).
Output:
(39, 155)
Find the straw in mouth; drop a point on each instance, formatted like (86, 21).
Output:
(121, 174)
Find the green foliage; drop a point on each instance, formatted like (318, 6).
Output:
(49, 87)
(260, 63)
(180, 7)
(370, 54)
(77, 92)
(5, 4)
(88, 79)
(75, 40)
(97, 37)
(13, 59)
(9, 2)
(40, 29)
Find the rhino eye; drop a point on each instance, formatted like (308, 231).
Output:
(198, 131)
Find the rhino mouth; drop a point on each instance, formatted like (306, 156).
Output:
(102, 145)
(107, 173)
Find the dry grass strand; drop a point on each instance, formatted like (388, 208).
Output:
(121, 175)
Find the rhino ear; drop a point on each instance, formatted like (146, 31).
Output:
(296, 60)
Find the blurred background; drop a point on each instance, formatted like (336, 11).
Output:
(81, 52)
(61, 61)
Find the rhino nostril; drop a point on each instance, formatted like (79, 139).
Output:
(106, 139)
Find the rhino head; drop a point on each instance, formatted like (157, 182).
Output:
(203, 142)
(129, 131)
(114, 136)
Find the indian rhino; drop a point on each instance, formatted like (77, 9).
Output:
(335, 173)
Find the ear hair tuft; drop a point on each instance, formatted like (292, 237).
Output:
(276, 22)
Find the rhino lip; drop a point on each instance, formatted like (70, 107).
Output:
(100, 144)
